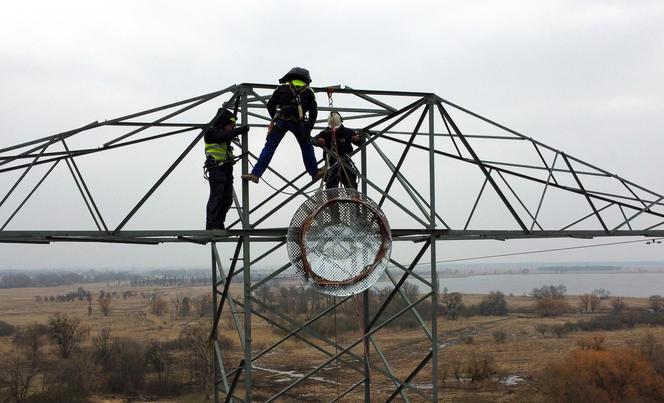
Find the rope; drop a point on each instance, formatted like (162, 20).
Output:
(335, 147)
(365, 345)
(282, 191)
(326, 167)
(336, 344)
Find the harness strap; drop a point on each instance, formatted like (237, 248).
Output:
(296, 93)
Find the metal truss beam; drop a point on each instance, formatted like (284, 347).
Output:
(386, 117)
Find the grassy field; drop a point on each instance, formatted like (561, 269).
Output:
(522, 354)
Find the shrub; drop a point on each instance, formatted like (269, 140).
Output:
(73, 381)
(65, 333)
(17, 375)
(455, 366)
(618, 304)
(618, 375)
(481, 367)
(656, 303)
(161, 361)
(589, 302)
(202, 305)
(499, 336)
(104, 302)
(6, 329)
(158, 305)
(559, 330)
(103, 348)
(493, 304)
(541, 328)
(128, 367)
(618, 320)
(549, 291)
(550, 300)
(326, 326)
(198, 358)
(30, 339)
(595, 342)
(452, 305)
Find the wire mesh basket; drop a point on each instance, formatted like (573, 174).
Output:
(339, 242)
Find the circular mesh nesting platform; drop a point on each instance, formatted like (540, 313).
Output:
(339, 242)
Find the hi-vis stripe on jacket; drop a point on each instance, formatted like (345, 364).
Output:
(219, 151)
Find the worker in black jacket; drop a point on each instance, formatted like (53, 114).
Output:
(219, 166)
(339, 140)
(293, 108)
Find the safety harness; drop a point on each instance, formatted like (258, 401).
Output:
(219, 154)
(341, 160)
(297, 88)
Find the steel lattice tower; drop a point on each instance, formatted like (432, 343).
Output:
(439, 171)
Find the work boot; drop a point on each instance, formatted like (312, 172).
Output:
(250, 177)
(315, 177)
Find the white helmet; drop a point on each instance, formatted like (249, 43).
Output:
(334, 120)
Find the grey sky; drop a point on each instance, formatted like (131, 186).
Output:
(585, 77)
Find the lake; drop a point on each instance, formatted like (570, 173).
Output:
(619, 284)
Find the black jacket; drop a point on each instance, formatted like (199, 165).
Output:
(284, 99)
(344, 137)
(216, 134)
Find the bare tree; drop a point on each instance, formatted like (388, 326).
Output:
(17, 372)
(103, 348)
(541, 328)
(594, 302)
(197, 345)
(656, 303)
(618, 304)
(157, 357)
(182, 305)
(203, 305)
(550, 300)
(65, 333)
(452, 305)
(584, 303)
(264, 293)
(104, 302)
(158, 305)
(128, 366)
(493, 304)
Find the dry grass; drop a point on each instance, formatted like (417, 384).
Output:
(524, 351)
(130, 318)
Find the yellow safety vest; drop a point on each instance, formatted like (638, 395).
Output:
(220, 152)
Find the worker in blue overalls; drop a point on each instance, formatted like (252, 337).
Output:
(293, 108)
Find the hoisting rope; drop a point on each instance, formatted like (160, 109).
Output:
(283, 191)
(330, 103)
(335, 148)
(365, 344)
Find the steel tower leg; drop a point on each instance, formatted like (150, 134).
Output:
(246, 256)
(434, 276)
(215, 365)
(365, 301)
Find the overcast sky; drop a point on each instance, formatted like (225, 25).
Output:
(585, 77)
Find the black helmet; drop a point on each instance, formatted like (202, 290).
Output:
(224, 116)
(296, 73)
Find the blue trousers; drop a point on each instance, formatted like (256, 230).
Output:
(274, 138)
